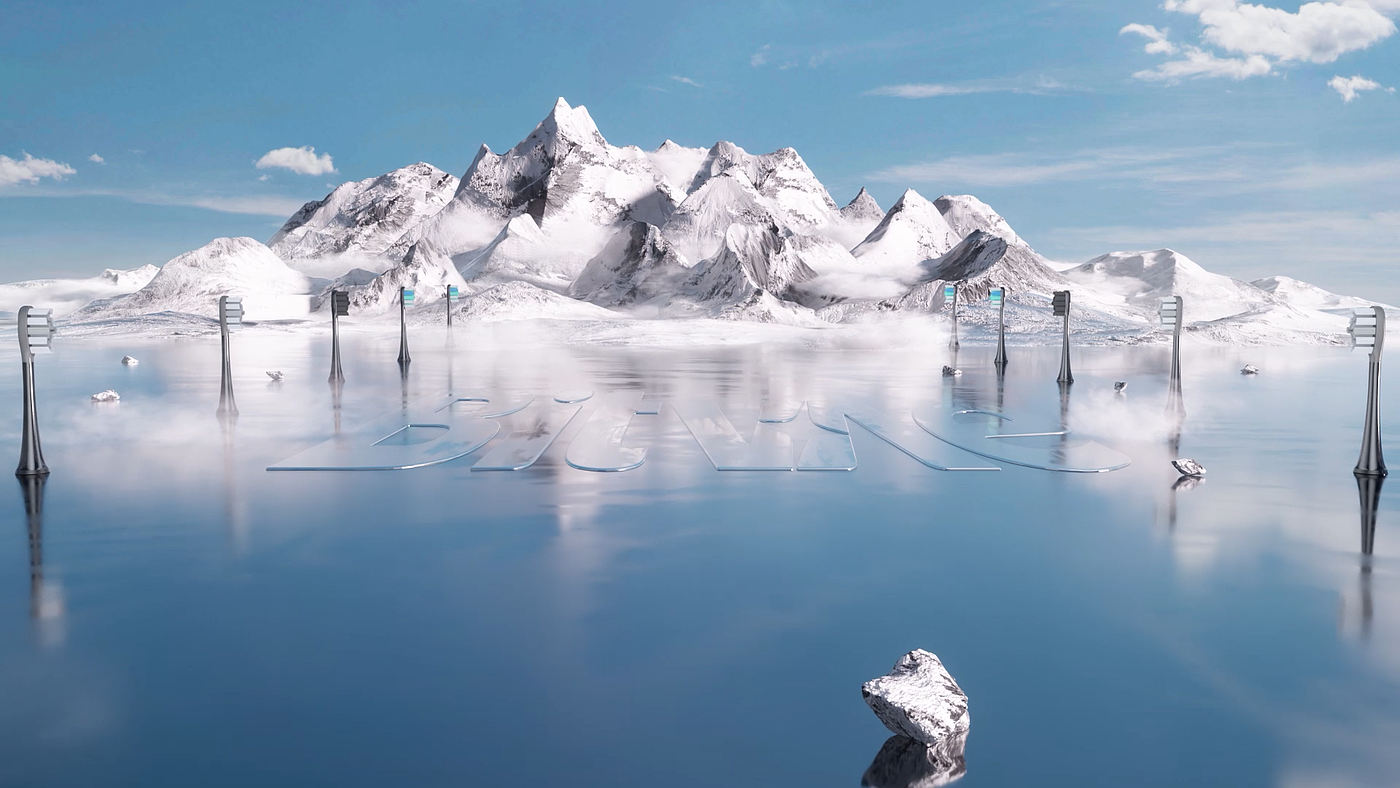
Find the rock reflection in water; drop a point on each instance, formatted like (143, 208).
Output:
(905, 763)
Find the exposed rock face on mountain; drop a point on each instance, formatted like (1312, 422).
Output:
(361, 219)
(782, 177)
(523, 301)
(698, 225)
(965, 213)
(912, 231)
(676, 167)
(637, 265)
(566, 221)
(425, 271)
(193, 282)
(565, 175)
(855, 221)
(1141, 279)
(752, 258)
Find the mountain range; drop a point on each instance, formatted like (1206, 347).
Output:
(565, 225)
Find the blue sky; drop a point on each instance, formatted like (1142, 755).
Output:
(1231, 140)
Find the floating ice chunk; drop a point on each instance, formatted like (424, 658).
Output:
(1189, 467)
(1120, 385)
(1249, 369)
(905, 763)
(276, 376)
(130, 361)
(950, 372)
(106, 396)
(919, 699)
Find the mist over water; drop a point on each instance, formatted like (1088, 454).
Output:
(186, 617)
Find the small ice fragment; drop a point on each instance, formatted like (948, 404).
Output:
(130, 361)
(1189, 467)
(1120, 385)
(1249, 369)
(950, 372)
(106, 396)
(276, 376)
(920, 700)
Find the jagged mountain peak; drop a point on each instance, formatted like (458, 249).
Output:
(362, 218)
(862, 207)
(966, 213)
(912, 231)
(569, 125)
(638, 264)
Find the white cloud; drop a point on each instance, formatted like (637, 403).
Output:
(95, 159)
(1165, 167)
(1264, 37)
(1199, 63)
(30, 170)
(264, 177)
(299, 160)
(687, 81)
(760, 58)
(919, 90)
(923, 90)
(1157, 42)
(1348, 87)
(1319, 32)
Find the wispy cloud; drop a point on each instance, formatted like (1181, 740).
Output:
(1349, 87)
(30, 170)
(252, 205)
(920, 90)
(1198, 64)
(95, 159)
(686, 81)
(1013, 169)
(301, 160)
(760, 58)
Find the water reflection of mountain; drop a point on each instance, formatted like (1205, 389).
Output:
(905, 763)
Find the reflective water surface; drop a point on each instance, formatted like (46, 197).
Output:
(172, 613)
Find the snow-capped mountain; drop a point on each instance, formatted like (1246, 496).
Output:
(359, 220)
(638, 265)
(697, 227)
(800, 200)
(67, 295)
(192, 283)
(565, 175)
(855, 221)
(1138, 280)
(1305, 296)
(750, 277)
(913, 231)
(565, 224)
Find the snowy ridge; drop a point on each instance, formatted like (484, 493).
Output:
(361, 219)
(566, 225)
(637, 265)
(193, 282)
